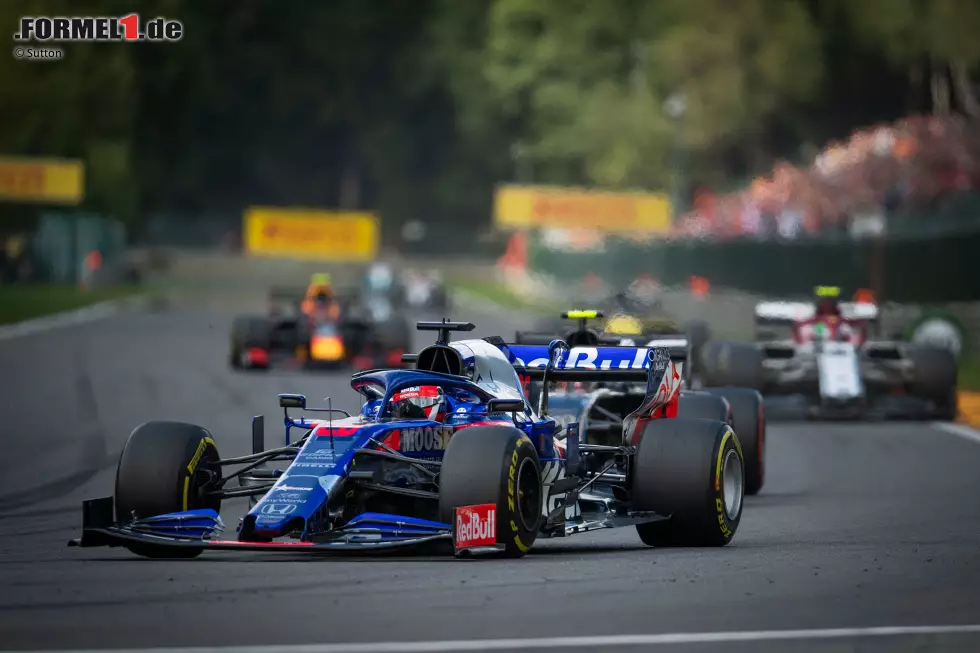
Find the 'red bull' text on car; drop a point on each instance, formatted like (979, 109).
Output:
(599, 408)
(450, 451)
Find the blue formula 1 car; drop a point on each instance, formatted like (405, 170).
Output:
(450, 451)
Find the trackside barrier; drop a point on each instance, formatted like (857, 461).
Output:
(936, 269)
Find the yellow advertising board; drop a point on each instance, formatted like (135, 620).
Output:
(41, 181)
(311, 234)
(523, 207)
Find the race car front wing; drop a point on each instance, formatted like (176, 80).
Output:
(194, 530)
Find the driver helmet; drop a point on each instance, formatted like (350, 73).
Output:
(827, 301)
(419, 402)
(320, 291)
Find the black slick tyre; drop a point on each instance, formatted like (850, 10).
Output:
(692, 470)
(699, 333)
(248, 333)
(498, 465)
(165, 467)
(703, 405)
(936, 379)
(749, 422)
(731, 364)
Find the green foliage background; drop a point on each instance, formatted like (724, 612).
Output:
(417, 108)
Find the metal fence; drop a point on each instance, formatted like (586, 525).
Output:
(61, 243)
(923, 268)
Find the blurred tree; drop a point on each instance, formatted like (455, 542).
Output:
(418, 108)
(737, 65)
(79, 106)
(938, 35)
(590, 79)
(562, 69)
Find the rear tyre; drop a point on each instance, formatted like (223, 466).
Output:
(692, 470)
(699, 333)
(248, 333)
(499, 465)
(731, 364)
(398, 334)
(936, 379)
(165, 467)
(439, 300)
(702, 405)
(749, 422)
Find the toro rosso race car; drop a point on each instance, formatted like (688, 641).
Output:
(450, 451)
(832, 365)
(600, 408)
(317, 328)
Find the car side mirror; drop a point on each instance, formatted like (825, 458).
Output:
(292, 401)
(505, 406)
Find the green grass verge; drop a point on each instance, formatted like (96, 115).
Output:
(21, 302)
(498, 294)
(970, 374)
(490, 290)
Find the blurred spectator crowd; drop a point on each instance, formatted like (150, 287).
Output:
(909, 168)
(16, 259)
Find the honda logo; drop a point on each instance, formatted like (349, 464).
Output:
(277, 509)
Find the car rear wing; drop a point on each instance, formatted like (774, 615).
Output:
(788, 313)
(654, 366)
(602, 363)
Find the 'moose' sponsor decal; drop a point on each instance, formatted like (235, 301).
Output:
(476, 526)
(427, 438)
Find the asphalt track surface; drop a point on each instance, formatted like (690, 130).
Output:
(858, 526)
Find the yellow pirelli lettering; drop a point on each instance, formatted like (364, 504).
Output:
(201, 448)
(721, 450)
(727, 532)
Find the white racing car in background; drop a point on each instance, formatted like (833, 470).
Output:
(829, 362)
(425, 290)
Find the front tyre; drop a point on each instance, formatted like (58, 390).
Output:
(498, 465)
(692, 470)
(166, 467)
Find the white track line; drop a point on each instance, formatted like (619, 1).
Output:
(567, 642)
(961, 430)
(78, 316)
